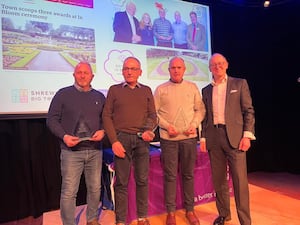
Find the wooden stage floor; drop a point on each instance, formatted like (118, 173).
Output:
(274, 200)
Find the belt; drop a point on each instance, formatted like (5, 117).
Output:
(223, 126)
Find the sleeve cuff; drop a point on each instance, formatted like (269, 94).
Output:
(249, 135)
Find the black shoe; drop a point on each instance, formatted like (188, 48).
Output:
(220, 220)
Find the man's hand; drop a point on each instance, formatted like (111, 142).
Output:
(203, 146)
(70, 140)
(148, 135)
(190, 130)
(118, 149)
(245, 144)
(136, 38)
(98, 135)
(172, 131)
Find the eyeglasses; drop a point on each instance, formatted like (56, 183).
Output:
(215, 65)
(126, 69)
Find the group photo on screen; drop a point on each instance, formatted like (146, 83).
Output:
(158, 26)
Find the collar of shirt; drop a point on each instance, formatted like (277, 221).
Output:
(124, 84)
(213, 83)
(129, 16)
(196, 24)
(175, 82)
(81, 89)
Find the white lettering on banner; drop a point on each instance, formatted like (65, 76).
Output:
(205, 196)
(209, 195)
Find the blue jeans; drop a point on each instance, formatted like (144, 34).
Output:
(137, 153)
(73, 164)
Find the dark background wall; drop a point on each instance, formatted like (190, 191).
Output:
(261, 45)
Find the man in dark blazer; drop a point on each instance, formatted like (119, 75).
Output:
(226, 133)
(126, 25)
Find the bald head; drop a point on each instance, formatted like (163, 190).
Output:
(217, 55)
(176, 58)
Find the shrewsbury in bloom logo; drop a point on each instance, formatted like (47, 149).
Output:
(19, 95)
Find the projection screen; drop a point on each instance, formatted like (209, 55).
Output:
(42, 41)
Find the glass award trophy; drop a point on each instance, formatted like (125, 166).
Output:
(82, 130)
(180, 121)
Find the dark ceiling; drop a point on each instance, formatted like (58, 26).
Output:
(255, 3)
(245, 3)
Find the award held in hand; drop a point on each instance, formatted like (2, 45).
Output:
(82, 130)
(150, 126)
(180, 121)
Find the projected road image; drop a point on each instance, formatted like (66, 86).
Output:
(158, 62)
(38, 46)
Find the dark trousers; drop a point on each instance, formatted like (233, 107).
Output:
(137, 154)
(164, 44)
(183, 152)
(221, 155)
(181, 46)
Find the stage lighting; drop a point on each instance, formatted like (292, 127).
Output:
(266, 3)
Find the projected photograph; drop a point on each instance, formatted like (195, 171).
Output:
(39, 46)
(158, 63)
(161, 24)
